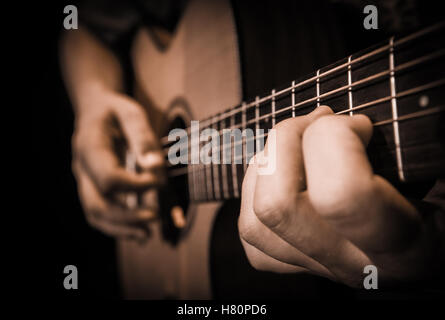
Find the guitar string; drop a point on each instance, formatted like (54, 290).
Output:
(339, 67)
(225, 146)
(185, 171)
(413, 115)
(361, 82)
(359, 107)
(350, 62)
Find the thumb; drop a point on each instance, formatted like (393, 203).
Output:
(139, 134)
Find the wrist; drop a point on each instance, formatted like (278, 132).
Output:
(92, 98)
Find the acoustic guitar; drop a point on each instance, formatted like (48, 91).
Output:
(399, 84)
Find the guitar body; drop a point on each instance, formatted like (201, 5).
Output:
(197, 76)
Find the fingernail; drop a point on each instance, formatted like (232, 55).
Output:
(150, 160)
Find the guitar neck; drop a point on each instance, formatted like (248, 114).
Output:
(399, 85)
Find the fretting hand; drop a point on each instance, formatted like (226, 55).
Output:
(325, 212)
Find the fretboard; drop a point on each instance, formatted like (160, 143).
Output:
(399, 85)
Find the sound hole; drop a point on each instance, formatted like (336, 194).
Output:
(175, 194)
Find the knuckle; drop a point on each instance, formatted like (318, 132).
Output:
(243, 229)
(286, 125)
(322, 124)
(256, 263)
(318, 112)
(325, 109)
(255, 259)
(319, 129)
(246, 230)
(132, 111)
(364, 117)
(272, 207)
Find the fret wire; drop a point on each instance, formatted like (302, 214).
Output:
(273, 107)
(387, 98)
(318, 87)
(234, 168)
(350, 88)
(208, 172)
(243, 119)
(411, 63)
(394, 111)
(257, 122)
(293, 98)
(225, 183)
(204, 180)
(215, 167)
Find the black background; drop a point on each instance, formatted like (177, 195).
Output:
(61, 222)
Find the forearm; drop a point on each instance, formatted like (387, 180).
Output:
(89, 69)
